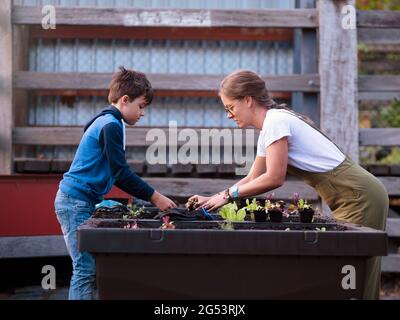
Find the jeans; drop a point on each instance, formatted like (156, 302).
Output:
(71, 213)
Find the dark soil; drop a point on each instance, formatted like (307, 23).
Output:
(306, 215)
(147, 224)
(118, 213)
(275, 215)
(260, 216)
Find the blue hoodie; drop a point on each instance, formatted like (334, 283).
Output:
(100, 162)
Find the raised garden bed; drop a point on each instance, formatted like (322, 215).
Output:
(199, 260)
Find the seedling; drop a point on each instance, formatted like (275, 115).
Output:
(167, 224)
(131, 225)
(135, 212)
(230, 214)
(257, 212)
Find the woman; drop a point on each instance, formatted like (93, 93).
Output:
(289, 142)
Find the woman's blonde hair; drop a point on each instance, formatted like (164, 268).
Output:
(242, 83)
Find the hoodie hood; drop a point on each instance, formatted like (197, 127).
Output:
(109, 110)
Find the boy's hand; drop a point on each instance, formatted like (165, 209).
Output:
(162, 202)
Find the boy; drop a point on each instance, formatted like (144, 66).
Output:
(98, 164)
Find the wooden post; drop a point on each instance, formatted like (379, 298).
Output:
(6, 115)
(305, 61)
(338, 76)
(21, 97)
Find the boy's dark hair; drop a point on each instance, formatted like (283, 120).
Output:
(131, 83)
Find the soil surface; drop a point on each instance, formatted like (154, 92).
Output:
(217, 225)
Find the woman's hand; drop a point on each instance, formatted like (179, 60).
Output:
(215, 202)
(200, 200)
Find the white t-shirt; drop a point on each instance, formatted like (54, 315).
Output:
(309, 150)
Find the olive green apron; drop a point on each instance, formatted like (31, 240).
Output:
(356, 196)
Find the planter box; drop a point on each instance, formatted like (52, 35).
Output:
(198, 260)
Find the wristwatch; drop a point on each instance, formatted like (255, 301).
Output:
(235, 192)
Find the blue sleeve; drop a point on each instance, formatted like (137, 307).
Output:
(111, 140)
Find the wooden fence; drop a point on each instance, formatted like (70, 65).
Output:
(326, 84)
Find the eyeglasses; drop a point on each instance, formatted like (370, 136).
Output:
(229, 108)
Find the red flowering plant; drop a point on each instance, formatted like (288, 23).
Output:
(303, 208)
(167, 224)
(131, 225)
(275, 210)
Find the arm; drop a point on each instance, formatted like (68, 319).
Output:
(274, 177)
(111, 141)
(258, 168)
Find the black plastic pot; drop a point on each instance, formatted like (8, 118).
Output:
(275, 215)
(195, 260)
(260, 215)
(306, 215)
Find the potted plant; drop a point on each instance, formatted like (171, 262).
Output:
(257, 212)
(230, 213)
(275, 210)
(305, 210)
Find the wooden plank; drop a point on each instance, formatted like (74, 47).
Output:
(379, 36)
(57, 165)
(6, 98)
(20, 62)
(136, 166)
(21, 98)
(28, 165)
(379, 83)
(378, 66)
(392, 185)
(165, 33)
(129, 17)
(50, 136)
(182, 82)
(379, 96)
(380, 137)
(382, 48)
(392, 213)
(157, 169)
(158, 93)
(395, 169)
(378, 169)
(338, 76)
(393, 227)
(206, 169)
(305, 62)
(391, 263)
(135, 136)
(32, 246)
(378, 19)
(182, 169)
(207, 186)
(227, 169)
